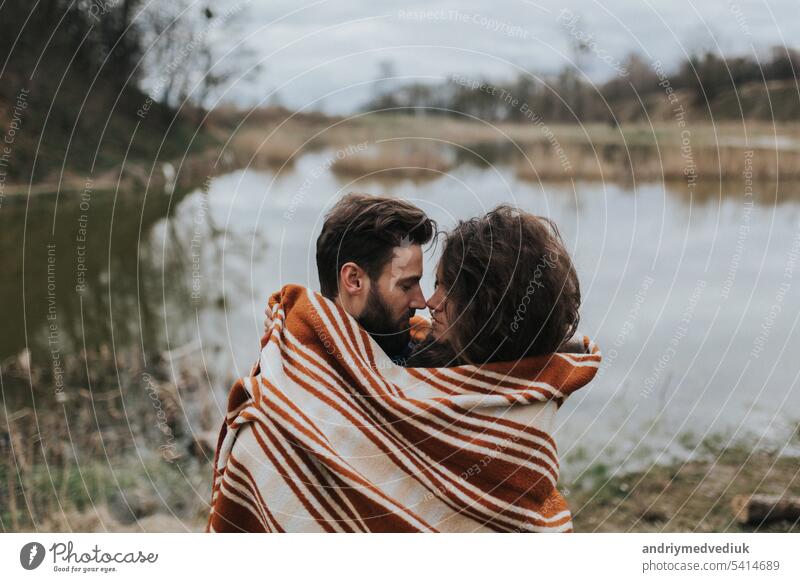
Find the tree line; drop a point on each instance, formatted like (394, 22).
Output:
(706, 80)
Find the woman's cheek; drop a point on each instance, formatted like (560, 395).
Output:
(436, 331)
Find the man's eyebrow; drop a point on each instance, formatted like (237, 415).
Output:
(412, 279)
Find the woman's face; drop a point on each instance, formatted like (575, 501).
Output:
(440, 310)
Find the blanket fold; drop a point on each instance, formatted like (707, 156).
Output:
(327, 434)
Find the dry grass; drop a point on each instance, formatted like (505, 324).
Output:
(260, 148)
(102, 519)
(542, 162)
(422, 146)
(648, 163)
(685, 497)
(124, 450)
(395, 160)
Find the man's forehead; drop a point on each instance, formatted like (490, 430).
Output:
(406, 261)
(407, 253)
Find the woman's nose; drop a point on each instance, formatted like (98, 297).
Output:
(434, 300)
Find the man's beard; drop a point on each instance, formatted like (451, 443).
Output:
(392, 336)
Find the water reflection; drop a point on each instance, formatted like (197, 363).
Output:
(78, 272)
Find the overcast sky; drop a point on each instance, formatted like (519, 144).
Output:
(326, 54)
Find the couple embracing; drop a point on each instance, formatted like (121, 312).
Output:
(360, 416)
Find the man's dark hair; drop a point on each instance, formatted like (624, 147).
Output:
(512, 286)
(364, 229)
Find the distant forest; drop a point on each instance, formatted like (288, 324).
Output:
(707, 85)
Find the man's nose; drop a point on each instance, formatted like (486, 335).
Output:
(418, 300)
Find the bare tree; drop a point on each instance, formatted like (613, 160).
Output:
(189, 58)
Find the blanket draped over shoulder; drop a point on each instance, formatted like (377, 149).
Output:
(328, 435)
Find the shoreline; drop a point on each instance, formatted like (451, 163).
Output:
(391, 144)
(687, 496)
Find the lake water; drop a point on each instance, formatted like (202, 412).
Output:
(693, 295)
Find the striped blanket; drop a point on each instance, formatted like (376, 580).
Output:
(328, 435)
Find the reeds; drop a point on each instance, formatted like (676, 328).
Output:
(650, 163)
(394, 160)
(259, 148)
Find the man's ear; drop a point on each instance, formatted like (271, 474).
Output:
(352, 280)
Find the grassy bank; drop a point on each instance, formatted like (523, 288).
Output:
(119, 446)
(122, 494)
(693, 496)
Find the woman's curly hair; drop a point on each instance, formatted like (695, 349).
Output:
(510, 286)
